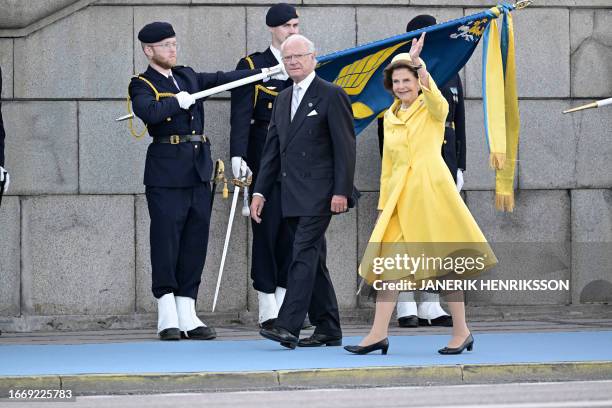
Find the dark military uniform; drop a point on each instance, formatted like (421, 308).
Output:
(178, 170)
(453, 147)
(251, 109)
(2, 134)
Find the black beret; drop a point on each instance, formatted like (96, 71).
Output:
(279, 14)
(422, 21)
(154, 32)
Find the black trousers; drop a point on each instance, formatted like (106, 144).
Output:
(309, 286)
(272, 246)
(180, 221)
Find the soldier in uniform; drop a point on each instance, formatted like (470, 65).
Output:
(177, 176)
(428, 311)
(5, 177)
(251, 110)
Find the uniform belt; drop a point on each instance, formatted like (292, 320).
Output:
(260, 123)
(176, 139)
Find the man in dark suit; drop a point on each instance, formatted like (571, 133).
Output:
(177, 176)
(428, 311)
(5, 178)
(311, 149)
(251, 110)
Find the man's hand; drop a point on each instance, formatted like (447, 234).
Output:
(257, 205)
(185, 99)
(5, 177)
(240, 168)
(339, 204)
(459, 180)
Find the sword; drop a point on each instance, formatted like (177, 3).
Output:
(219, 177)
(238, 183)
(225, 87)
(2, 183)
(596, 104)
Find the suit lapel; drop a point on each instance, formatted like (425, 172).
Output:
(308, 103)
(283, 107)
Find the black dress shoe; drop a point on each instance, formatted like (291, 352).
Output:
(280, 335)
(200, 333)
(467, 344)
(382, 345)
(268, 324)
(408, 321)
(170, 334)
(318, 340)
(442, 321)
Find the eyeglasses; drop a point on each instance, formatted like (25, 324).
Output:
(290, 58)
(166, 45)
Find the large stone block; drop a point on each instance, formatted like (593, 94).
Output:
(145, 2)
(41, 147)
(111, 161)
(593, 148)
(533, 242)
(342, 257)
(376, 23)
(210, 38)
(17, 14)
(367, 214)
(10, 252)
(330, 28)
(591, 53)
(367, 169)
(68, 59)
(6, 63)
(591, 246)
(547, 146)
(233, 293)
(478, 175)
(217, 128)
(543, 65)
(78, 255)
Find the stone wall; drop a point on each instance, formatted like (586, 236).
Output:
(74, 227)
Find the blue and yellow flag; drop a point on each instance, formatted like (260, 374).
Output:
(448, 47)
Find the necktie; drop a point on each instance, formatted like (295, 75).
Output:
(295, 101)
(171, 78)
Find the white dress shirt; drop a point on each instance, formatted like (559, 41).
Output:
(299, 90)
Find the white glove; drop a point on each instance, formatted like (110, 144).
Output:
(459, 179)
(6, 177)
(275, 70)
(240, 168)
(185, 99)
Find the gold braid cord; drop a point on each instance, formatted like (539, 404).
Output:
(158, 95)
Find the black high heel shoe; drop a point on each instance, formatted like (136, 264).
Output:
(468, 344)
(382, 345)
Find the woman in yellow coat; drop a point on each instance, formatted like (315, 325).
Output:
(422, 216)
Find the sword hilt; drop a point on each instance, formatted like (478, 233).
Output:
(242, 182)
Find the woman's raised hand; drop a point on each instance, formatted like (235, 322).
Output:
(416, 48)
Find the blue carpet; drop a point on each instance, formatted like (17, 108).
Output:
(260, 355)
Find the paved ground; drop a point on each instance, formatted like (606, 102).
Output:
(542, 395)
(134, 361)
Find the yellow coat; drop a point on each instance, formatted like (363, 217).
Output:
(422, 215)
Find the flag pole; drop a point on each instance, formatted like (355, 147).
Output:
(596, 104)
(519, 5)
